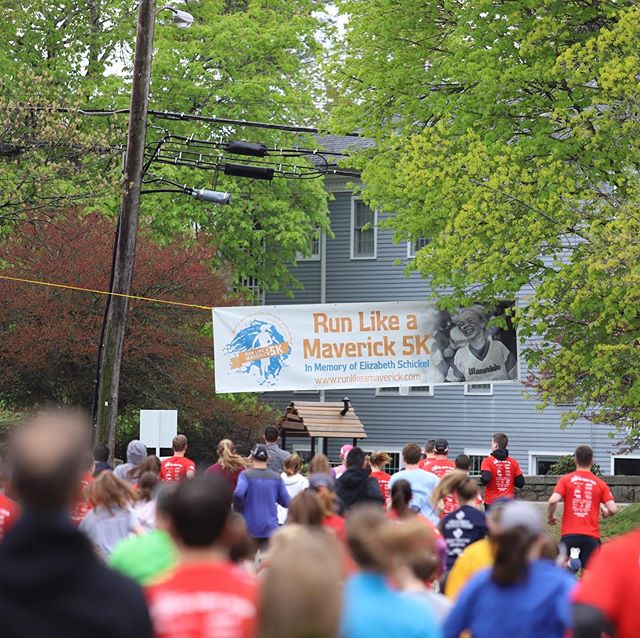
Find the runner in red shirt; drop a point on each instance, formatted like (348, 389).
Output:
(441, 465)
(429, 453)
(206, 596)
(178, 466)
(499, 472)
(82, 506)
(606, 601)
(9, 512)
(584, 494)
(378, 460)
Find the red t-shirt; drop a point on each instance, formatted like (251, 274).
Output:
(424, 462)
(176, 468)
(582, 492)
(207, 600)
(82, 506)
(503, 474)
(611, 583)
(441, 467)
(336, 524)
(383, 480)
(9, 512)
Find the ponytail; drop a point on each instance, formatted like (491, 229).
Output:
(228, 458)
(457, 483)
(401, 495)
(511, 556)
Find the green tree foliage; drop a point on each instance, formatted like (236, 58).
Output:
(567, 464)
(507, 133)
(252, 60)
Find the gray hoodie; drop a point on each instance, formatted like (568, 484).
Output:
(136, 453)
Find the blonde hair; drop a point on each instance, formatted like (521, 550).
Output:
(375, 541)
(110, 492)
(292, 464)
(456, 482)
(320, 465)
(297, 603)
(380, 459)
(228, 458)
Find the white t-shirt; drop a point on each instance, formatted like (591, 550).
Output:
(492, 368)
(295, 485)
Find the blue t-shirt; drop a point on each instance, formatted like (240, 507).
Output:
(257, 495)
(540, 606)
(461, 528)
(371, 607)
(422, 485)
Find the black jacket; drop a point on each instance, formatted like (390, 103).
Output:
(356, 486)
(501, 455)
(53, 585)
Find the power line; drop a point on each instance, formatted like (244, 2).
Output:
(186, 117)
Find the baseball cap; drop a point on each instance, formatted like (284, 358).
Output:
(442, 445)
(521, 514)
(344, 450)
(317, 481)
(259, 452)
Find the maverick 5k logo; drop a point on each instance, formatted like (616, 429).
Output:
(259, 348)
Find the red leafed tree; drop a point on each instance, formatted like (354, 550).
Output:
(49, 336)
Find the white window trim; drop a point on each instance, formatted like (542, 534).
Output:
(469, 393)
(410, 253)
(306, 391)
(534, 454)
(477, 451)
(318, 257)
(352, 254)
(405, 392)
(634, 455)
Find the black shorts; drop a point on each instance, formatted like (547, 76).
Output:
(586, 544)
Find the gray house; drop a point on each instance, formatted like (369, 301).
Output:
(359, 264)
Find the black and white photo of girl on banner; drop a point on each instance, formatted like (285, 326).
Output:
(473, 347)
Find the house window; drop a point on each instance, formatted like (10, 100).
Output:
(478, 389)
(476, 463)
(627, 465)
(414, 390)
(394, 392)
(540, 462)
(364, 232)
(314, 247)
(253, 286)
(413, 247)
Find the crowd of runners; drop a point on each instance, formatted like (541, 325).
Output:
(271, 547)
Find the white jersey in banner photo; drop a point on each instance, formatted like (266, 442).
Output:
(474, 367)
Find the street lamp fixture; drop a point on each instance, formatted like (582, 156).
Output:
(182, 19)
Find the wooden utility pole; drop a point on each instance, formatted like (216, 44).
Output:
(122, 274)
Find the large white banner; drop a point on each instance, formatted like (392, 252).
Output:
(360, 345)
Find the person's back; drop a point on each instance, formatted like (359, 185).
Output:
(499, 472)
(539, 606)
(518, 597)
(462, 528)
(355, 486)
(101, 455)
(607, 598)
(51, 582)
(371, 605)
(206, 595)
(257, 494)
(583, 494)
(178, 466)
(441, 465)
(277, 456)
(136, 454)
(422, 483)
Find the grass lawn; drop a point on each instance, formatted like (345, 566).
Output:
(625, 520)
